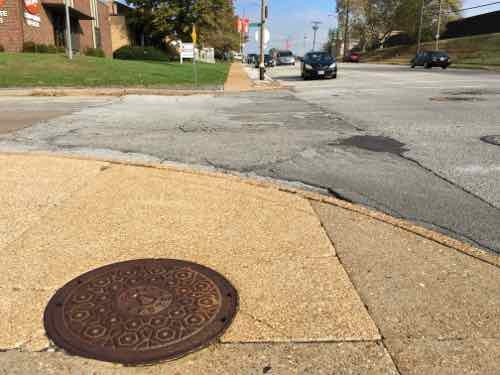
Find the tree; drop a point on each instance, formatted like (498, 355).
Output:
(371, 21)
(174, 19)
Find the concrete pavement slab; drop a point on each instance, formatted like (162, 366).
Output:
(301, 300)
(242, 359)
(446, 357)
(270, 244)
(31, 186)
(414, 287)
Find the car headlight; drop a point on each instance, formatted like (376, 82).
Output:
(333, 66)
(309, 67)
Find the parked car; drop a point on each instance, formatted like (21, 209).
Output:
(430, 59)
(318, 65)
(252, 58)
(353, 57)
(285, 58)
(268, 61)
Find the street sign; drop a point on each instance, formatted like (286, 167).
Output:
(187, 51)
(267, 35)
(194, 36)
(254, 24)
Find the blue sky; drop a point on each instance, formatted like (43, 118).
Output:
(292, 20)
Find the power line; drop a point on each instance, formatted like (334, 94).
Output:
(464, 9)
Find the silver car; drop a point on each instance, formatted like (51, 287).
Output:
(285, 58)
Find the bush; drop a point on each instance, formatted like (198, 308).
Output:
(55, 49)
(140, 53)
(41, 48)
(95, 52)
(32, 47)
(29, 47)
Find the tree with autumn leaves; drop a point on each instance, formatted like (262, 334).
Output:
(371, 21)
(158, 20)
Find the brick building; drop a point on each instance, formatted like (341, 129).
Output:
(44, 22)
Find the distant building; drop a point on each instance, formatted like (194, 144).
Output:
(487, 23)
(44, 22)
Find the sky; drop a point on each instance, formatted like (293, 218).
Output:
(292, 20)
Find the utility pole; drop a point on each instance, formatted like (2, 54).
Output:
(420, 25)
(305, 45)
(263, 16)
(346, 27)
(439, 24)
(68, 31)
(315, 28)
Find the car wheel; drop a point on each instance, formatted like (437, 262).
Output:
(334, 76)
(413, 66)
(427, 66)
(444, 67)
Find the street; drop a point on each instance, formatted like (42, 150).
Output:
(405, 142)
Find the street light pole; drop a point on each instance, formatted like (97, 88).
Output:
(439, 24)
(68, 31)
(419, 42)
(315, 28)
(262, 67)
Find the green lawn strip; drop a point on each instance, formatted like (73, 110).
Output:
(51, 70)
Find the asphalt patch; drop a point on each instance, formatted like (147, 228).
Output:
(373, 143)
(491, 139)
(456, 99)
(473, 92)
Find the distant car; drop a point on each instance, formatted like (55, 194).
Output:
(318, 65)
(252, 58)
(285, 58)
(430, 59)
(353, 57)
(268, 61)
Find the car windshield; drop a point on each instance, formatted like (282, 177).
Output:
(285, 54)
(319, 57)
(439, 54)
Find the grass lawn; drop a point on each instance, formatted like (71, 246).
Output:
(474, 52)
(39, 70)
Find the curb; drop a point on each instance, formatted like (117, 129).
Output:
(59, 92)
(483, 255)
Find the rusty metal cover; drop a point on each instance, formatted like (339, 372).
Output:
(141, 311)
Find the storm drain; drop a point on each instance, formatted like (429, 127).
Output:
(492, 139)
(141, 311)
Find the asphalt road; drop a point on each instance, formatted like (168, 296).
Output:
(407, 142)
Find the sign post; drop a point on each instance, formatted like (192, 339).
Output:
(194, 38)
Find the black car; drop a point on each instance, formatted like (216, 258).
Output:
(252, 58)
(429, 59)
(268, 61)
(318, 65)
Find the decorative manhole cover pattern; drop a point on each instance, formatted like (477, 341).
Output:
(492, 139)
(141, 311)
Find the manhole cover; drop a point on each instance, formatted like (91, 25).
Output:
(492, 139)
(141, 311)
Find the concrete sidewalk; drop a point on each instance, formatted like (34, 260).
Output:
(325, 287)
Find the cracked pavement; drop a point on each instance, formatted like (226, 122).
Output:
(444, 176)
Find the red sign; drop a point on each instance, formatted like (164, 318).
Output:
(2, 2)
(239, 25)
(32, 7)
(245, 25)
